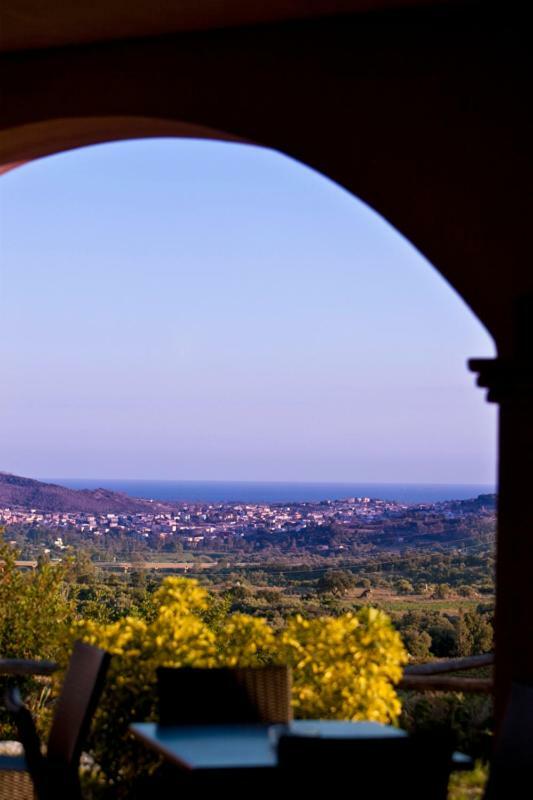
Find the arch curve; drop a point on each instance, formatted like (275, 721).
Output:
(41, 139)
(394, 108)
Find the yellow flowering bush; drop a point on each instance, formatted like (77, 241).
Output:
(245, 641)
(343, 667)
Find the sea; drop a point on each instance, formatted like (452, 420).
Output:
(278, 492)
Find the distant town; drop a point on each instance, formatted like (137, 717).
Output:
(332, 526)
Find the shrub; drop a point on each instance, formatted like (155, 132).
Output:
(404, 586)
(475, 634)
(443, 638)
(35, 617)
(35, 609)
(344, 667)
(336, 581)
(417, 642)
(468, 718)
(469, 785)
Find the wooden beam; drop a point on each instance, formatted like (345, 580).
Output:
(23, 666)
(430, 683)
(450, 665)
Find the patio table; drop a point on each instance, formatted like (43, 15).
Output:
(204, 748)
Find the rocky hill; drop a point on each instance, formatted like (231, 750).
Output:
(29, 493)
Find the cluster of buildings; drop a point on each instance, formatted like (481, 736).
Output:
(197, 523)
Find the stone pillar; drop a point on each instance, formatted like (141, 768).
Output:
(510, 384)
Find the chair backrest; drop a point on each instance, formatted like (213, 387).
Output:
(189, 696)
(82, 687)
(512, 760)
(270, 691)
(380, 767)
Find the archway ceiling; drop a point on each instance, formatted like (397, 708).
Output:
(29, 24)
(422, 114)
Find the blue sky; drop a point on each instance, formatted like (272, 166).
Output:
(201, 310)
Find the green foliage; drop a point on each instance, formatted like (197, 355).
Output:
(344, 667)
(468, 718)
(466, 633)
(443, 638)
(418, 643)
(80, 568)
(35, 608)
(336, 581)
(109, 602)
(442, 591)
(35, 616)
(475, 634)
(344, 664)
(404, 586)
(465, 591)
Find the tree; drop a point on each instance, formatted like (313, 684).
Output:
(36, 614)
(465, 591)
(474, 635)
(81, 568)
(443, 639)
(336, 581)
(36, 608)
(404, 586)
(417, 642)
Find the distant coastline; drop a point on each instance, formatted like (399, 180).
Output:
(278, 492)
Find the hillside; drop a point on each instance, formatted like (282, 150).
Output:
(29, 493)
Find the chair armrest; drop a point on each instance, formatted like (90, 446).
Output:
(26, 730)
(23, 666)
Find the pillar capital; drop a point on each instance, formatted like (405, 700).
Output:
(507, 379)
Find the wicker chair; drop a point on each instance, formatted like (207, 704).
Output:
(190, 696)
(379, 767)
(56, 774)
(15, 784)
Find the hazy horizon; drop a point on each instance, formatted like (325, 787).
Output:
(177, 308)
(243, 480)
(278, 491)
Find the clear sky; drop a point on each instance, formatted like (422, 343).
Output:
(201, 310)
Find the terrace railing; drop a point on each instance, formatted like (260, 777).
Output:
(433, 677)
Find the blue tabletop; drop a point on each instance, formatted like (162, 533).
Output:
(206, 747)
